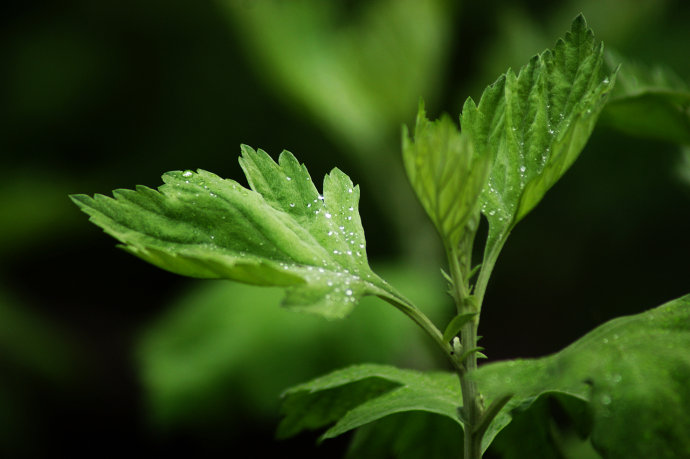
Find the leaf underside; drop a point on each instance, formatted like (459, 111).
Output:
(534, 125)
(360, 394)
(634, 373)
(281, 232)
(356, 396)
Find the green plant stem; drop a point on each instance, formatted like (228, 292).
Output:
(471, 400)
(487, 268)
(418, 317)
(471, 403)
(475, 418)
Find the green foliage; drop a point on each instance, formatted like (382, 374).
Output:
(456, 324)
(625, 379)
(282, 232)
(534, 125)
(380, 391)
(198, 360)
(447, 175)
(649, 102)
(552, 426)
(359, 76)
(633, 371)
(408, 435)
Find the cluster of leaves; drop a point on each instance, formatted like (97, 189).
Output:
(522, 136)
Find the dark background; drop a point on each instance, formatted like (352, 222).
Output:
(102, 95)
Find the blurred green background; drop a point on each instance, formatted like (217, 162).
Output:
(97, 347)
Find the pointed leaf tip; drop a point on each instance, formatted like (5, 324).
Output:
(533, 125)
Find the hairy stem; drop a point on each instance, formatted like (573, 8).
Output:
(471, 398)
(471, 401)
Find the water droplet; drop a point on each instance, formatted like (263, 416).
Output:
(552, 132)
(349, 252)
(213, 195)
(309, 205)
(213, 237)
(349, 218)
(348, 292)
(336, 252)
(328, 215)
(288, 178)
(320, 197)
(292, 204)
(187, 174)
(492, 213)
(329, 283)
(361, 246)
(351, 209)
(523, 169)
(606, 80)
(349, 190)
(331, 233)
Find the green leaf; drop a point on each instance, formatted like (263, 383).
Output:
(360, 394)
(649, 102)
(409, 435)
(534, 124)
(358, 72)
(206, 357)
(456, 324)
(282, 232)
(548, 427)
(446, 174)
(632, 370)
